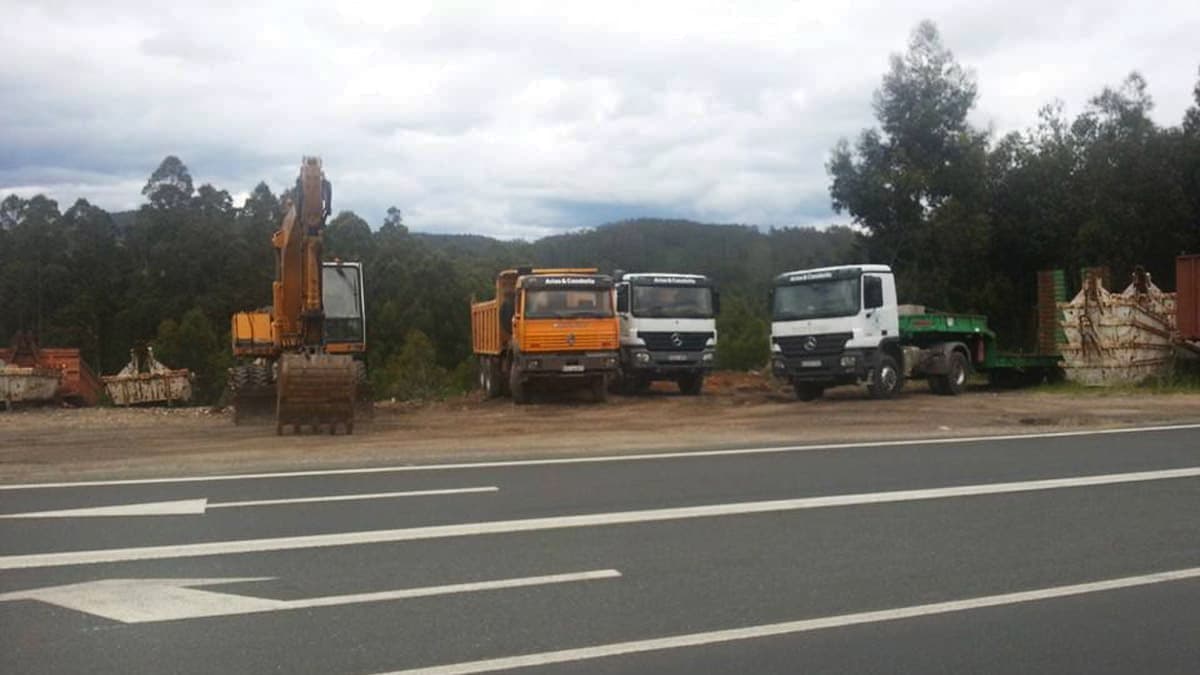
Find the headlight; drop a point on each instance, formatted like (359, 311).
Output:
(776, 348)
(534, 364)
(610, 363)
(849, 361)
(642, 357)
(712, 342)
(707, 358)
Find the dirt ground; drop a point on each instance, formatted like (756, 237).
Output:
(736, 410)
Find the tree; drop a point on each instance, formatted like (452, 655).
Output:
(170, 186)
(918, 184)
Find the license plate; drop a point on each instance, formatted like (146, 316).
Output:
(677, 357)
(572, 369)
(811, 363)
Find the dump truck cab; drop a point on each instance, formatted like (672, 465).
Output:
(546, 324)
(668, 329)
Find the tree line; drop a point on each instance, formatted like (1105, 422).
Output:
(966, 220)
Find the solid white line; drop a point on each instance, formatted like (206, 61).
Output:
(591, 460)
(791, 627)
(198, 507)
(348, 498)
(560, 522)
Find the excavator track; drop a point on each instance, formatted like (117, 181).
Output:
(316, 390)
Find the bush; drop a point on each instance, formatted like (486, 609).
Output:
(742, 337)
(412, 373)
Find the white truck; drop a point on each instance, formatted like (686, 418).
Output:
(842, 325)
(668, 330)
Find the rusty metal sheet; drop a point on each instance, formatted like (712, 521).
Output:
(146, 381)
(1115, 338)
(1187, 296)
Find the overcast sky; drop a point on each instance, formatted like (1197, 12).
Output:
(518, 119)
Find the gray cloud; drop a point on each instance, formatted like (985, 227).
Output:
(519, 122)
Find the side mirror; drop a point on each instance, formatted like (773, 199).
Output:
(623, 298)
(771, 301)
(716, 302)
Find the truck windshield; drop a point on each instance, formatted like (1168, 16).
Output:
(561, 304)
(672, 302)
(816, 300)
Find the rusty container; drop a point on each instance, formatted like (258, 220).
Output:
(1187, 296)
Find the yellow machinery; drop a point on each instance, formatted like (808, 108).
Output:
(298, 356)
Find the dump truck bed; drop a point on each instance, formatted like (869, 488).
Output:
(486, 336)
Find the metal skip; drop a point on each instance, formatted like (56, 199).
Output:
(145, 381)
(1115, 338)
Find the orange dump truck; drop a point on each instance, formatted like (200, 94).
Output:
(546, 324)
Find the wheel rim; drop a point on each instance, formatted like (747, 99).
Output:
(960, 376)
(887, 377)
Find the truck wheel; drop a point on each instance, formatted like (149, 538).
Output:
(955, 381)
(691, 385)
(886, 379)
(491, 378)
(599, 389)
(808, 391)
(519, 389)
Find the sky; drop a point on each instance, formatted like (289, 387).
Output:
(520, 119)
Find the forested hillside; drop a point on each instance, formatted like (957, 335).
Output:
(966, 219)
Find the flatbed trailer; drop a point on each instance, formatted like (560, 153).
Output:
(927, 330)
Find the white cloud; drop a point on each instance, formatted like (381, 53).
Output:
(517, 119)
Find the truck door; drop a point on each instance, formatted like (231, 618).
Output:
(873, 307)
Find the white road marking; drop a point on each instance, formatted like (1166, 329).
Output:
(592, 460)
(791, 627)
(345, 498)
(562, 522)
(179, 507)
(198, 507)
(148, 600)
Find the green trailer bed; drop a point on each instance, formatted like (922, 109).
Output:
(924, 329)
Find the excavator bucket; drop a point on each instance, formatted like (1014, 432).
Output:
(316, 390)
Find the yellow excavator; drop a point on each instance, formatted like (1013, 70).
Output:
(302, 356)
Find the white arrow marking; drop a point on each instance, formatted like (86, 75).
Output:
(180, 507)
(198, 507)
(148, 600)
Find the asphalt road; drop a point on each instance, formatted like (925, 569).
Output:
(1063, 554)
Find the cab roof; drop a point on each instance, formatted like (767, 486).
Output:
(835, 271)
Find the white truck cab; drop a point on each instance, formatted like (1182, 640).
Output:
(837, 325)
(668, 329)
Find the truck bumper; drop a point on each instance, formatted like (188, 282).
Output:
(842, 368)
(566, 364)
(666, 364)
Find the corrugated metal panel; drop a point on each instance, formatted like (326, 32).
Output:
(1187, 297)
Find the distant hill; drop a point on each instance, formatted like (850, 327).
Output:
(739, 257)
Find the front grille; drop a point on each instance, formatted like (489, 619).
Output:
(793, 346)
(666, 341)
(571, 342)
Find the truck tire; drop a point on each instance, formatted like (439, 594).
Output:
(519, 389)
(886, 379)
(691, 385)
(808, 391)
(599, 386)
(955, 380)
(490, 375)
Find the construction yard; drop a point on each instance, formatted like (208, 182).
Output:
(736, 410)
